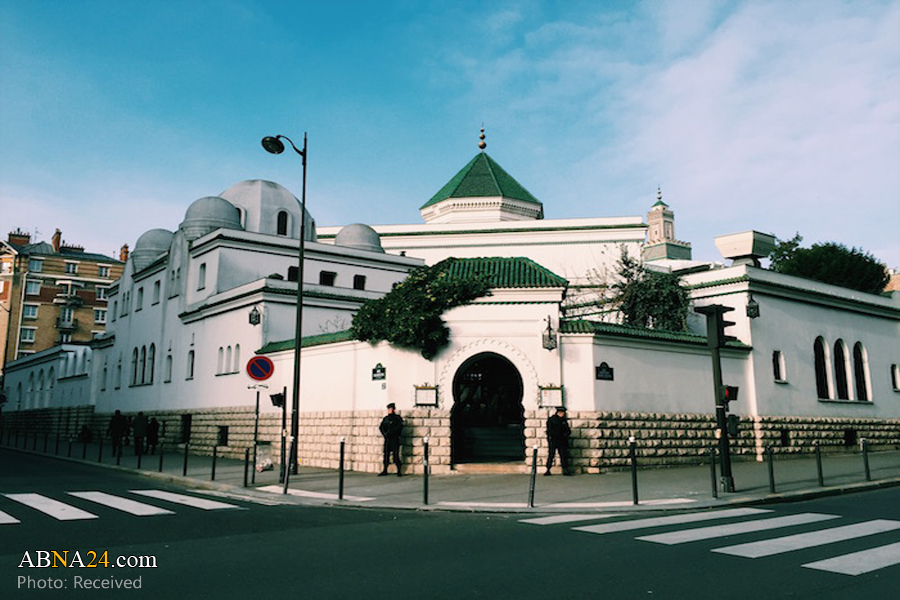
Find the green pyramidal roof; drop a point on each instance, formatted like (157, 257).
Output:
(482, 177)
(503, 272)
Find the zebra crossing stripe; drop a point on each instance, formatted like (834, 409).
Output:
(557, 519)
(809, 540)
(192, 501)
(717, 531)
(6, 519)
(124, 504)
(861, 562)
(671, 520)
(56, 509)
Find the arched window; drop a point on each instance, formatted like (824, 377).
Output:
(119, 373)
(237, 358)
(134, 367)
(895, 377)
(168, 368)
(103, 380)
(151, 362)
(841, 370)
(143, 371)
(220, 361)
(820, 351)
(861, 371)
(30, 398)
(282, 222)
(228, 368)
(39, 400)
(51, 383)
(190, 365)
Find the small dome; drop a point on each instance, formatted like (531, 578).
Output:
(263, 202)
(208, 214)
(360, 237)
(149, 246)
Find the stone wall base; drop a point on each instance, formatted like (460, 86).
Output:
(599, 442)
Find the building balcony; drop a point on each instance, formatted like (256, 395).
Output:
(67, 324)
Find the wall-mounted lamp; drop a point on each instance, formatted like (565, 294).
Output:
(549, 337)
(752, 308)
(255, 317)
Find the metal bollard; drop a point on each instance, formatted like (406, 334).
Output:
(212, 476)
(100, 451)
(184, 470)
(341, 472)
(771, 463)
(160, 457)
(865, 453)
(819, 464)
(533, 476)
(712, 471)
(287, 466)
(634, 479)
(246, 465)
(425, 472)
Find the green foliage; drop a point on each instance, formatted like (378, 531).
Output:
(832, 263)
(409, 315)
(649, 298)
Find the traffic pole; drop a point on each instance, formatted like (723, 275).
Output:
(712, 471)
(425, 473)
(771, 464)
(634, 477)
(341, 472)
(534, 462)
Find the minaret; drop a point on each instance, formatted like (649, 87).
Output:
(661, 243)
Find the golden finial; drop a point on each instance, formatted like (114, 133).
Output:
(659, 193)
(482, 144)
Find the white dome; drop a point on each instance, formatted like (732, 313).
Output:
(208, 214)
(265, 205)
(360, 237)
(150, 245)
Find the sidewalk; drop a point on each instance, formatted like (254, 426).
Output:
(688, 487)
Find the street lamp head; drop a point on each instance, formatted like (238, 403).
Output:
(273, 145)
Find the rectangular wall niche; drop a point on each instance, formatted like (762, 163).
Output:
(426, 395)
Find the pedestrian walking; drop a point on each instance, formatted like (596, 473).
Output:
(558, 432)
(139, 429)
(152, 435)
(391, 428)
(118, 425)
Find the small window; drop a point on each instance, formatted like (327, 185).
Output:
(222, 438)
(895, 377)
(103, 271)
(32, 288)
(190, 365)
(99, 315)
(201, 277)
(139, 303)
(778, 369)
(841, 369)
(168, 369)
(861, 372)
(292, 273)
(282, 222)
(30, 311)
(820, 355)
(27, 335)
(71, 268)
(34, 265)
(102, 293)
(156, 288)
(359, 282)
(327, 278)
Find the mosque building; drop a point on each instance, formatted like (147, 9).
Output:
(813, 362)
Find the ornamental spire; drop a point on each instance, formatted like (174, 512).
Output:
(482, 144)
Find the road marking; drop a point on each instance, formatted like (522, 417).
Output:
(619, 504)
(124, 504)
(557, 519)
(671, 520)
(6, 519)
(858, 563)
(193, 501)
(809, 540)
(717, 531)
(49, 506)
(277, 489)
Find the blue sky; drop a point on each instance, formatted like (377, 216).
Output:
(776, 116)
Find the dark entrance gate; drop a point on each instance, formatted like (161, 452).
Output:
(487, 420)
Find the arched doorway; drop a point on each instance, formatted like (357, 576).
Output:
(487, 420)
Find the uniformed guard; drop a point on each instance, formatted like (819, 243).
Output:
(558, 432)
(391, 427)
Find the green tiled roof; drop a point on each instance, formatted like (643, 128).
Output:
(482, 177)
(517, 272)
(310, 340)
(630, 331)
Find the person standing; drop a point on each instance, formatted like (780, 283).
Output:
(152, 435)
(139, 429)
(558, 432)
(118, 425)
(391, 428)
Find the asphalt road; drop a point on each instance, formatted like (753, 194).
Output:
(250, 549)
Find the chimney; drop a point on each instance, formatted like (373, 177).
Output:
(19, 238)
(123, 253)
(56, 240)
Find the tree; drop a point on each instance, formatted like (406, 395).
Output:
(648, 298)
(410, 314)
(832, 263)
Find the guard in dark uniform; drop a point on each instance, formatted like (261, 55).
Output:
(558, 432)
(391, 428)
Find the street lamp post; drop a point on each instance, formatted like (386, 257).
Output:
(274, 145)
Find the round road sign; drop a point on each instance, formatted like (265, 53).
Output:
(260, 368)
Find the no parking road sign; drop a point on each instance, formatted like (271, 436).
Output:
(260, 368)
